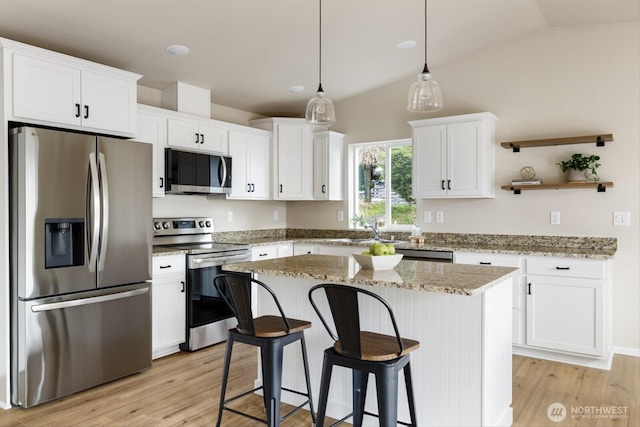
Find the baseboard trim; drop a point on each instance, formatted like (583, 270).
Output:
(627, 351)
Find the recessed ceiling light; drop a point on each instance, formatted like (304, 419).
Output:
(177, 49)
(296, 89)
(407, 44)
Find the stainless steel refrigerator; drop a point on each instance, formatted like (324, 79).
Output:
(80, 261)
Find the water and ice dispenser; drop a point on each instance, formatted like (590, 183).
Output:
(64, 242)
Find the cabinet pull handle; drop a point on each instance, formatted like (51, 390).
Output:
(563, 268)
(253, 188)
(248, 188)
(197, 138)
(86, 111)
(165, 266)
(281, 188)
(484, 263)
(201, 138)
(324, 189)
(448, 184)
(442, 184)
(77, 110)
(161, 182)
(529, 291)
(263, 254)
(182, 286)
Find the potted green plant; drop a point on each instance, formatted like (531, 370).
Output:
(581, 168)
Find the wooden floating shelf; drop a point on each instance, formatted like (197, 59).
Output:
(599, 140)
(600, 186)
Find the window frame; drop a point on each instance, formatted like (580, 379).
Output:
(352, 177)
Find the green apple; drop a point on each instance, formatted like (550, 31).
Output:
(366, 253)
(391, 250)
(380, 249)
(371, 246)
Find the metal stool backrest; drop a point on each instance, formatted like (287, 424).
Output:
(235, 289)
(343, 302)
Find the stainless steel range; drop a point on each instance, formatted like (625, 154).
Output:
(208, 317)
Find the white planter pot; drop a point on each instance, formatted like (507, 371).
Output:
(576, 176)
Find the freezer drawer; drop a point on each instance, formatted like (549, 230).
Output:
(66, 344)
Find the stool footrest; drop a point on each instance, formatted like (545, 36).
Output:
(287, 415)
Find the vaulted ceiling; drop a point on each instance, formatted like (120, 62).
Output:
(250, 52)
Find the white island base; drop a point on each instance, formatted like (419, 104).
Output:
(461, 372)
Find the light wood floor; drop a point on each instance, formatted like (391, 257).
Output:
(183, 390)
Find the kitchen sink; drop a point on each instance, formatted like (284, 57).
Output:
(367, 241)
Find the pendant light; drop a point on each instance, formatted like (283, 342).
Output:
(320, 108)
(424, 94)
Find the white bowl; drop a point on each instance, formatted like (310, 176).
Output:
(380, 262)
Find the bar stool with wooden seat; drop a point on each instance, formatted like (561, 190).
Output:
(364, 352)
(271, 334)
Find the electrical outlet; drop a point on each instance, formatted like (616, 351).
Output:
(554, 217)
(622, 218)
(229, 216)
(427, 216)
(340, 215)
(439, 216)
(276, 214)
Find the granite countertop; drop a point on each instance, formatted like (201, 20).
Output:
(460, 279)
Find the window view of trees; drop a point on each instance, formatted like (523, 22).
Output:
(384, 183)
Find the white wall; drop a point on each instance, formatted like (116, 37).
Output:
(557, 82)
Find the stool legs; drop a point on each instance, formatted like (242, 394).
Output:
(409, 386)
(305, 361)
(225, 376)
(387, 390)
(360, 380)
(272, 380)
(325, 380)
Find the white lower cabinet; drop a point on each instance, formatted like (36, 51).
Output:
(561, 306)
(168, 319)
(567, 305)
(260, 253)
(304, 249)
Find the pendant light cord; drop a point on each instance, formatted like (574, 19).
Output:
(320, 48)
(426, 69)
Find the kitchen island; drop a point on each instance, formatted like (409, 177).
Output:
(461, 314)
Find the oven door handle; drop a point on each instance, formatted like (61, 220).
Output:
(216, 261)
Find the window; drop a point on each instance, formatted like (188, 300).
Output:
(380, 183)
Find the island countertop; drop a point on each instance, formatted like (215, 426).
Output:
(460, 279)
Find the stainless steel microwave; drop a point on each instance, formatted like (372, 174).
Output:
(196, 173)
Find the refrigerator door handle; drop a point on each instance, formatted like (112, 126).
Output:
(104, 192)
(86, 301)
(93, 211)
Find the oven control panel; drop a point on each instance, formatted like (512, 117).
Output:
(181, 226)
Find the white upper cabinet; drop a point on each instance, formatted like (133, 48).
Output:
(292, 148)
(250, 154)
(152, 128)
(454, 157)
(328, 167)
(193, 134)
(61, 91)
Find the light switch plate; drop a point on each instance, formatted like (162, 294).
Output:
(554, 218)
(427, 216)
(229, 216)
(622, 218)
(276, 215)
(340, 215)
(439, 216)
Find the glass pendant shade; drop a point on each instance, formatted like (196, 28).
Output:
(424, 94)
(320, 110)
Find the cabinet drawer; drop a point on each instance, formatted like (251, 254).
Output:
(498, 260)
(259, 253)
(565, 267)
(168, 265)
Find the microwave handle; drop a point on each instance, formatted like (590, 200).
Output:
(223, 178)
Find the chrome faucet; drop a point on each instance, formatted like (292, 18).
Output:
(373, 226)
